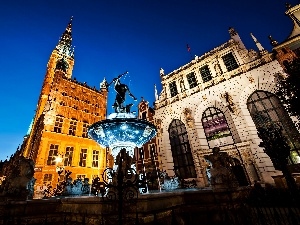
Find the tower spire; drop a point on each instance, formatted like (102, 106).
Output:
(258, 45)
(64, 45)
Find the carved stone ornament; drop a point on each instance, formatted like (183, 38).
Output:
(229, 100)
(188, 117)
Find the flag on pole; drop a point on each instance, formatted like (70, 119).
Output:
(188, 47)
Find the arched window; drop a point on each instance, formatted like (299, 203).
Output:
(216, 128)
(265, 107)
(181, 150)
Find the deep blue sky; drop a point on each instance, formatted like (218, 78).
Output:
(111, 37)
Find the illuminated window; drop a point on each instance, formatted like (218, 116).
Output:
(265, 108)
(85, 129)
(72, 128)
(205, 73)
(230, 61)
(216, 128)
(80, 176)
(53, 153)
(181, 150)
(58, 124)
(83, 155)
(95, 158)
(173, 88)
(68, 156)
(47, 178)
(152, 152)
(192, 80)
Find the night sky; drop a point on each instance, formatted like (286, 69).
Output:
(111, 37)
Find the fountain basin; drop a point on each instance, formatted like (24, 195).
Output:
(122, 130)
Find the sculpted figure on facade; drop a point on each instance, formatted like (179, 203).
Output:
(221, 174)
(188, 117)
(229, 100)
(161, 72)
(218, 70)
(182, 86)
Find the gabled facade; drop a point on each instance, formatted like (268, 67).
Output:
(58, 136)
(218, 100)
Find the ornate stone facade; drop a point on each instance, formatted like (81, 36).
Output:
(217, 109)
(58, 138)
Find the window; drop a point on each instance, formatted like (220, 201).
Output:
(53, 153)
(144, 116)
(72, 128)
(85, 129)
(229, 61)
(68, 156)
(95, 158)
(173, 88)
(80, 176)
(83, 155)
(216, 129)
(205, 73)
(181, 150)
(265, 108)
(192, 80)
(58, 124)
(153, 152)
(47, 178)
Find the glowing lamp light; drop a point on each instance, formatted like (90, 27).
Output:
(58, 159)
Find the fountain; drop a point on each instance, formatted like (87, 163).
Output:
(122, 132)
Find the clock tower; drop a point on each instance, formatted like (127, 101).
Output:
(66, 107)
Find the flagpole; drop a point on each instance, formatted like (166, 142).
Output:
(189, 50)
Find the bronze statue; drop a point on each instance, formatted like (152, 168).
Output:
(121, 90)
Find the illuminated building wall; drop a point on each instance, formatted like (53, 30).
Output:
(147, 157)
(219, 99)
(58, 137)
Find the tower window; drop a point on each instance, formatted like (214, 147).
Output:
(192, 80)
(53, 153)
(230, 61)
(47, 177)
(58, 124)
(144, 116)
(83, 155)
(205, 73)
(95, 158)
(72, 128)
(173, 88)
(80, 176)
(85, 130)
(68, 156)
